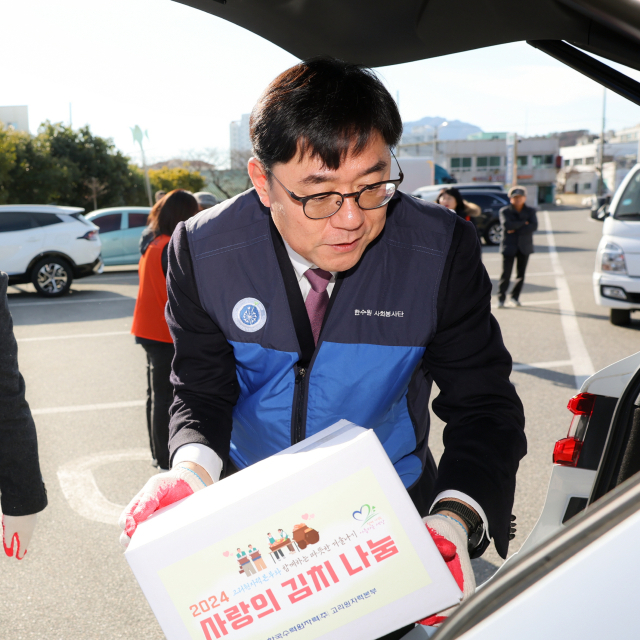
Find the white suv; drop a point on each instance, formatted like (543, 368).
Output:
(48, 246)
(616, 280)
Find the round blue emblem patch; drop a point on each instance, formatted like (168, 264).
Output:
(249, 315)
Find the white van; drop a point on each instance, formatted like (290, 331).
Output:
(616, 280)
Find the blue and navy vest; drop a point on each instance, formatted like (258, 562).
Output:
(366, 367)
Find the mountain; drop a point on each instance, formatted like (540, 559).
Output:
(455, 129)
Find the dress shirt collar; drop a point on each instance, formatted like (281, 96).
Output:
(301, 264)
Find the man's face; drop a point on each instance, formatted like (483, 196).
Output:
(518, 201)
(338, 242)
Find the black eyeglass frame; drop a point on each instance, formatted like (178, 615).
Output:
(356, 194)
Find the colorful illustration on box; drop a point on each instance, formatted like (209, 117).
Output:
(355, 559)
(252, 562)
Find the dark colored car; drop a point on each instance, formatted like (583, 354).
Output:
(488, 222)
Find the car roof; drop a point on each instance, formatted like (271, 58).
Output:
(480, 186)
(117, 210)
(415, 29)
(40, 208)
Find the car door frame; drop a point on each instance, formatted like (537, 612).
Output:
(117, 259)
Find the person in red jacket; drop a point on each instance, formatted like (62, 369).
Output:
(149, 326)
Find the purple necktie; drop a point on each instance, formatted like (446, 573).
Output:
(317, 299)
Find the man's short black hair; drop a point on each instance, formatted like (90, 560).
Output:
(323, 107)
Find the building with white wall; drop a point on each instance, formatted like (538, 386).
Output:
(239, 142)
(16, 117)
(483, 159)
(580, 171)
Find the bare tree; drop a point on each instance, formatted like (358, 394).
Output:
(97, 188)
(213, 163)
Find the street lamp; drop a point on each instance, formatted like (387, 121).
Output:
(435, 139)
(435, 147)
(137, 137)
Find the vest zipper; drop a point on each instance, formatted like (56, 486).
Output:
(298, 435)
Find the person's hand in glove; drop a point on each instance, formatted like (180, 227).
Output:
(16, 534)
(450, 537)
(161, 491)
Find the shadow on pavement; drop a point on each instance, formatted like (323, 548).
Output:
(557, 378)
(84, 305)
(483, 570)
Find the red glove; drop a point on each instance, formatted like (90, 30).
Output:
(16, 534)
(451, 539)
(160, 491)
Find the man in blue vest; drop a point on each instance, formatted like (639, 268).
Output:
(325, 293)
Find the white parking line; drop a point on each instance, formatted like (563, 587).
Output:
(81, 491)
(535, 303)
(542, 365)
(89, 407)
(580, 359)
(55, 303)
(77, 335)
(529, 275)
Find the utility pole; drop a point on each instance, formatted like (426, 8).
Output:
(601, 154)
(138, 135)
(514, 179)
(435, 146)
(70, 121)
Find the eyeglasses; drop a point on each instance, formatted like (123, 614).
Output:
(328, 203)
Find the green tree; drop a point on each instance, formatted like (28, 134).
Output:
(167, 179)
(59, 165)
(7, 160)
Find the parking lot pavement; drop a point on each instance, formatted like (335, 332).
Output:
(86, 385)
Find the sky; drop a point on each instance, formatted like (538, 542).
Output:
(184, 75)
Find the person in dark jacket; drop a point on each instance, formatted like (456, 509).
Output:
(149, 325)
(519, 222)
(325, 293)
(21, 486)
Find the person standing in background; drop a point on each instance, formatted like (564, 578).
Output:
(21, 486)
(519, 221)
(452, 199)
(205, 199)
(149, 326)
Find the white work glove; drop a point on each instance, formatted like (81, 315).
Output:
(16, 534)
(451, 539)
(160, 491)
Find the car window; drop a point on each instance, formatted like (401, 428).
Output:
(481, 199)
(45, 219)
(110, 222)
(15, 221)
(499, 202)
(629, 203)
(138, 220)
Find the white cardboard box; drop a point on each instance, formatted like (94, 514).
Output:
(373, 569)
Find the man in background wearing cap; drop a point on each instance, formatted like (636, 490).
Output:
(205, 200)
(519, 221)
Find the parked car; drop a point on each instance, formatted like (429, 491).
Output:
(430, 193)
(586, 535)
(488, 222)
(120, 231)
(489, 196)
(616, 279)
(48, 246)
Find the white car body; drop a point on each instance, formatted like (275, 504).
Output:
(616, 283)
(30, 233)
(570, 573)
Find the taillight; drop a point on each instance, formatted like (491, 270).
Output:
(567, 451)
(90, 235)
